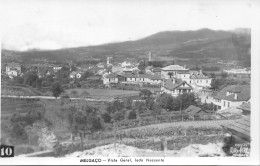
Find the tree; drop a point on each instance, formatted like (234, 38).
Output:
(119, 115)
(128, 103)
(213, 75)
(216, 84)
(30, 78)
(186, 100)
(106, 117)
(115, 106)
(166, 101)
(132, 115)
(140, 107)
(224, 75)
(145, 93)
(86, 75)
(170, 74)
(56, 89)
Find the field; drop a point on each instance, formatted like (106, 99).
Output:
(101, 92)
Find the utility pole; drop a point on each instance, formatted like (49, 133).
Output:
(181, 110)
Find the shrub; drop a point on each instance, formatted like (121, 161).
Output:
(106, 117)
(132, 115)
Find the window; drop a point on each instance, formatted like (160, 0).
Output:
(206, 81)
(228, 104)
(224, 103)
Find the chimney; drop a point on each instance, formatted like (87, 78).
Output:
(200, 71)
(184, 66)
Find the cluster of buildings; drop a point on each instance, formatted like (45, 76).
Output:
(173, 79)
(244, 71)
(42, 70)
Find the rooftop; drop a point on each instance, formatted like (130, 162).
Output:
(242, 91)
(169, 85)
(199, 76)
(174, 67)
(242, 126)
(245, 106)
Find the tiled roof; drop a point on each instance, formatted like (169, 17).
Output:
(192, 110)
(243, 93)
(242, 126)
(245, 106)
(169, 85)
(199, 76)
(157, 69)
(156, 77)
(174, 67)
(73, 73)
(184, 72)
(111, 75)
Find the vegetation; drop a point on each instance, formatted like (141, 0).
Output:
(56, 89)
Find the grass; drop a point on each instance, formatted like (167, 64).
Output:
(102, 92)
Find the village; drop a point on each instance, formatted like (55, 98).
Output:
(125, 95)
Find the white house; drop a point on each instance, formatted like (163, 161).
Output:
(172, 69)
(78, 75)
(200, 81)
(12, 73)
(75, 74)
(110, 78)
(56, 68)
(174, 88)
(126, 64)
(232, 96)
(12, 67)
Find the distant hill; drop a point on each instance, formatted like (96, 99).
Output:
(204, 43)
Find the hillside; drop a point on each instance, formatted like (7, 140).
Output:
(204, 43)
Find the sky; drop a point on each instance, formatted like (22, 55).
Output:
(55, 24)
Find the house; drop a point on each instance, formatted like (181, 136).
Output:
(239, 132)
(183, 75)
(246, 109)
(75, 74)
(117, 69)
(199, 81)
(13, 69)
(101, 65)
(126, 64)
(175, 87)
(78, 75)
(109, 79)
(41, 71)
(157, 70)
(12, 72)
(232, 96)
(56, 68)
(50, 71)
(172, 70)
(193, 110)
(156, 79)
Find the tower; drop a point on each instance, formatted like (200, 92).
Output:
(150, 56)
(109, 60)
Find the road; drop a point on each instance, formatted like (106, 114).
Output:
(53, 98)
